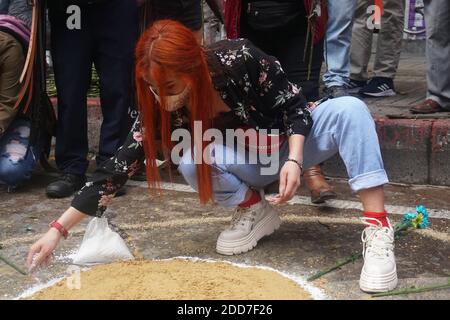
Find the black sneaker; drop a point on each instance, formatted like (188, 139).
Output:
(336, 91)
(379, 87)
(354, 86)
(65, 185)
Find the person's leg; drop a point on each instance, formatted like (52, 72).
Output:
(287, 44)
(361, 44)
(17, 157)
(263, 40)
(387, 56)
(345, 125)
(289, 48)
(232, 176)
(11, 64)
(187, 12)
(437, 20)
(372, 199)
(115, 28)
(337, 42)
(239, 185)
(341, 125)
(390, 36)
(72, 61)
(192, 17)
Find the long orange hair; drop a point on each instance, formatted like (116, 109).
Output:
(169, 46)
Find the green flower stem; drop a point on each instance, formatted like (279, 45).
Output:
(412, 290)
(319, 274)
(402, 226)
(9, 263)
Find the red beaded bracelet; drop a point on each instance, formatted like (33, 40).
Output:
(55, 224)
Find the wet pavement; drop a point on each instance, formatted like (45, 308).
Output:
(175, 224)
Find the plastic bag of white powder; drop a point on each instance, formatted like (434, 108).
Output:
(101, 245)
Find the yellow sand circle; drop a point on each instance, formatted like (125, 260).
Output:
(176, 280)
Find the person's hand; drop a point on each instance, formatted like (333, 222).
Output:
(289, 182)
(41, 251)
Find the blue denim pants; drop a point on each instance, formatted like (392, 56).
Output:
(338, 41)
(17, 157)
(342, 125)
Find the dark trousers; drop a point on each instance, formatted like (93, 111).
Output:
(188, 12)
(287, 44)
(107, 38)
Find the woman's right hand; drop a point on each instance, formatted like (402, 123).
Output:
(41, 251)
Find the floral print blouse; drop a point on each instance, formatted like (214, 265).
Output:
(250, 82)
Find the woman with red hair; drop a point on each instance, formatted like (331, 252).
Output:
(230, 85)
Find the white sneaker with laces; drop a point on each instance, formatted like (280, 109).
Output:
(379, 273)
(247, 227)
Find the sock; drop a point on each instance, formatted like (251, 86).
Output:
(254, 198)
(380, 216)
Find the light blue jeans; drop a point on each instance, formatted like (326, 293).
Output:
(342, 125)
(338, 40)
(17, 157)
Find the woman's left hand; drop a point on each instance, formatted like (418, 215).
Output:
(289, 182)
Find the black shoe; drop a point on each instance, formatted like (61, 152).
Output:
(121, 192)
(336, 91)
(65, 185)
(379, 87)
(354, 86)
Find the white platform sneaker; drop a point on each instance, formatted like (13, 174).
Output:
(247, 227)
(379, 273)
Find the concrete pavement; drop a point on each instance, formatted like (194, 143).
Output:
(310, 238)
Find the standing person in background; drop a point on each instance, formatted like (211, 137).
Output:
(104, 33)
(280, 28)
(437, 20)
(388, 50)
(337, 46)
